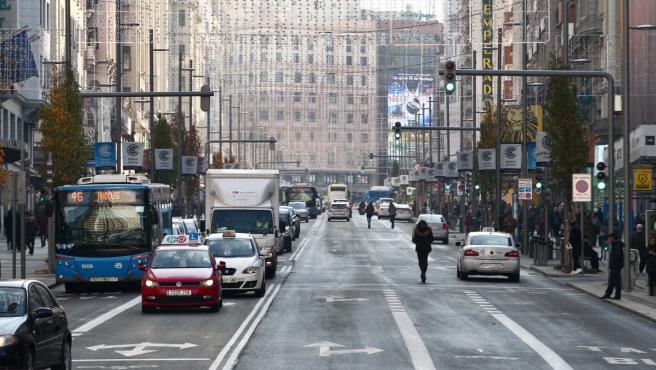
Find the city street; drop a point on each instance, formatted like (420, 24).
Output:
(349, 297)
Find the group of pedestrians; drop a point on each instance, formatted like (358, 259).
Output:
(369, 212)
(34, 226)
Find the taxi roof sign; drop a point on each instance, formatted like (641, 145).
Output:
(229, 234)
(193, 238)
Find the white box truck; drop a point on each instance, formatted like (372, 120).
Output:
(245, 201)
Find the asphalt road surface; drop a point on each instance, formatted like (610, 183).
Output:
(349, 297)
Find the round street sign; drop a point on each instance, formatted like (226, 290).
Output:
(582, 186)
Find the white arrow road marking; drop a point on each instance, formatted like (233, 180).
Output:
(139, 348)
(324, 349)
(342, 299)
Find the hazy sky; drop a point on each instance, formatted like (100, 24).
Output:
(425, 6)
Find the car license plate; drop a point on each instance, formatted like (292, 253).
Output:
(491, 266)
(228, 279)
(103, 279)
(178, 292)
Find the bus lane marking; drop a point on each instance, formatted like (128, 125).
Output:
(106, 316)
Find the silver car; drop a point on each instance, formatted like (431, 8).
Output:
(404, 212)
(438, 224)
(488, 253)
(339, 210)
(301, 210)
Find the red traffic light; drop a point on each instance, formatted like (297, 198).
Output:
(397, 125)
(450, 65)
(601, 166)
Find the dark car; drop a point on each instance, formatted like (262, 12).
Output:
(297, 221)
(288, 229)
(34, 331)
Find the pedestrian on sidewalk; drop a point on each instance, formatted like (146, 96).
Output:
(31, 229)
(615, 265)
(42, 220)
(575, 241)
(370, 213)
(509, 224)
(9, 226)
(638, 240)
(651, 264)
(469, 221)
(391, 211)
(423, 238)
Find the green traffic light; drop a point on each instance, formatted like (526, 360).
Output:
(601, 185)
(538, 185)
(449, 87)
(477, 187)
(397, 135)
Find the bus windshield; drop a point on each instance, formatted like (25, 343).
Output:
(374, 195)
(101, 223)
(308, 195)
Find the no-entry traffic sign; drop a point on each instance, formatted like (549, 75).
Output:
(581, 189)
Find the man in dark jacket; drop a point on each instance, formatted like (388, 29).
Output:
(391, 211)
(370, 213)
(575, 241)
(651, 265)
(615, 265)
(638, 242)
(423, 238)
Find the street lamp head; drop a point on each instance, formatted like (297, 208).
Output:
(643, 27)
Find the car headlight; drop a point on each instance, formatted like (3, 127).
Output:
(7, 340)
(151, 283)
(207, 283)
(251, 270)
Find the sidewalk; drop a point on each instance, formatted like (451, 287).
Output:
(36, 266)
(637, 301)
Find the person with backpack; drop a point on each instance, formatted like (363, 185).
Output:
(369, 211)
(391, 211)
(422, 237)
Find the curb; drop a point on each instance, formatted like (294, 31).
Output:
(546, 273)
(614, 303)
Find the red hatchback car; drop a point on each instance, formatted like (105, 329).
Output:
(181, 276)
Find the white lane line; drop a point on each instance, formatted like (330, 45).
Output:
(551, 357)
(242, 327)
(233, 358)
(296, 255)
(106, 316)
(142, 359)
(419, 355)
(489, 357)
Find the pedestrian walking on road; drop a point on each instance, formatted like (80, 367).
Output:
(370, 213)
(651, 264)
(423, 238)
(615, 265)
(391, 211)
(638, 240)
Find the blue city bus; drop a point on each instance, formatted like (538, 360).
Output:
(300, 193)
(376, 192)
(105, 226)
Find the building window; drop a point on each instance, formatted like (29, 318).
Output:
(264, 115)
(332, 98)
(264, 77)
(349, 44)
(349, 60)
(349, 80)
(297, 58)
(297, 77)
(279, 77)
(297, 135)
(182, 18)
(349, 137)
(363, 61)
(349, 117)
(312, 97)
(349, 162)
(364, 118)
(312, 116)
(310, 58)
(330, 78)
(280, 96)
(263, 57)
(332, 117)
(295, 42)
(312, 139)
(127, 57)
(349, 99)
(329, 44)
(310, 43)
(278, 57)
(363, 49)
(363, 80)
(264, 42)
(263, 96)
(330, 59)
(364, 100)
(280, 115)
(312, 78)
(92, 37)
(364, 137)
(297, 97)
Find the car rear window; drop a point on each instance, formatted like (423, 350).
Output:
(338, 206)
(432, 218)
(490, 240)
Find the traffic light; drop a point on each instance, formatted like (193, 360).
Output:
(397, 131)
(42, 199)
(601, 175)
(371, 157)
(450, 77)
(477, 187)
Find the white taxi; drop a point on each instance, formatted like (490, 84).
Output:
(241, 262)
(488, 253)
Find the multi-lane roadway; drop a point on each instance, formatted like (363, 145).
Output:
(349, 297)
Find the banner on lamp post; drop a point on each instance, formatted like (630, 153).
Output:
(164, 159)
(465, 161)
(440, 169)
(133, 155)
(104, 155)
(452, 170)
(189, 165)
(542, 151)
(511, 157)
(487, 160)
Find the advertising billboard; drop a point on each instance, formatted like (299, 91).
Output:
(406, 95)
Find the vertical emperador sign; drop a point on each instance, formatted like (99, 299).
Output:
(488, 48)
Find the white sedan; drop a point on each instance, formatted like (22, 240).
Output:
(244, 265)
(488, 253)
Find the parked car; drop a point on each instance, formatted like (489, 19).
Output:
(302, 210)
(404, 213)
(488, 253)
(438, 224)
(287, 228)
(34, 332)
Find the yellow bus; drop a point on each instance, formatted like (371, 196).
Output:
(337, 191)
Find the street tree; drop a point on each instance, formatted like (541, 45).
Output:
(61, 121)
